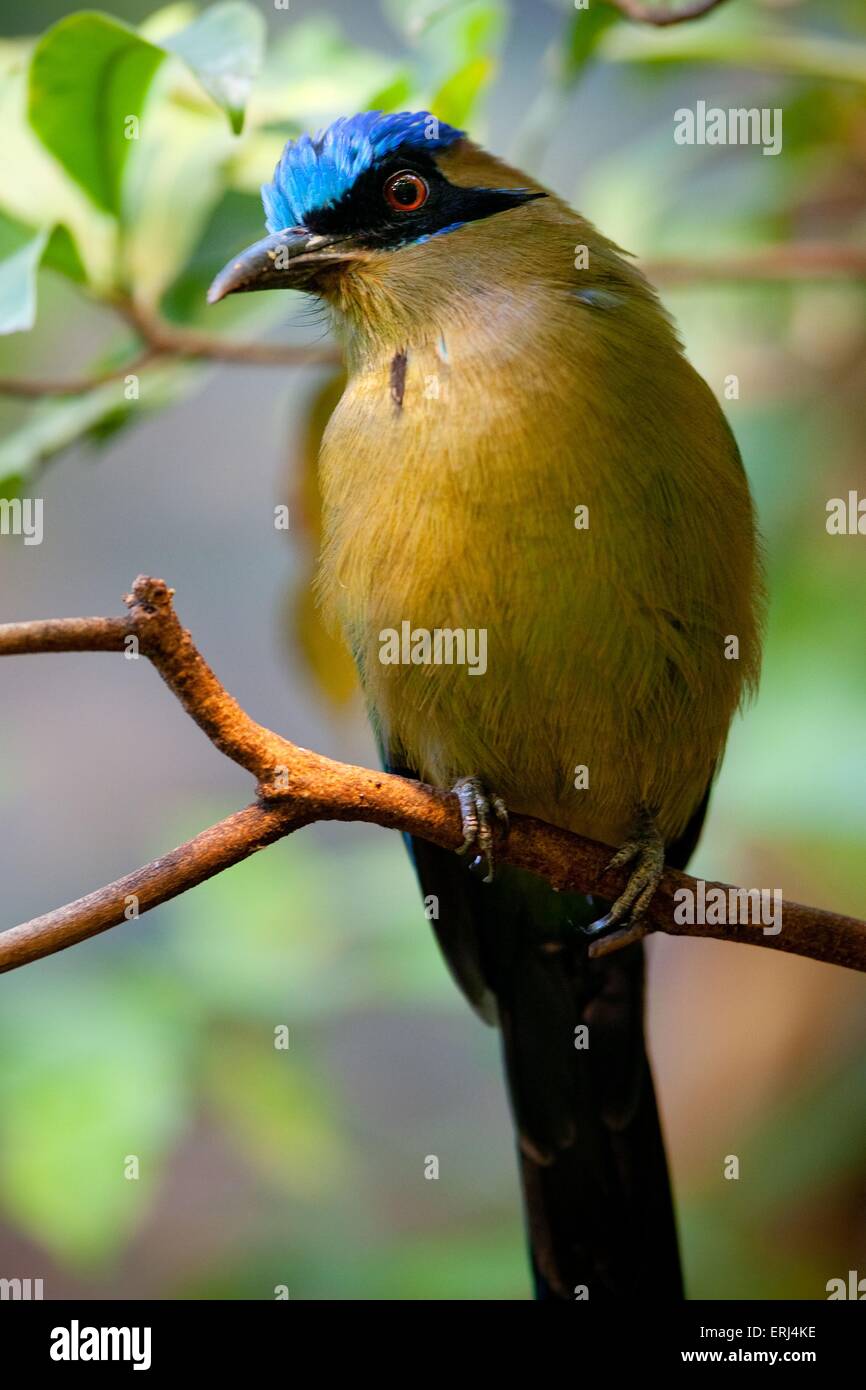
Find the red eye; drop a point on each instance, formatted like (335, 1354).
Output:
(405, 192)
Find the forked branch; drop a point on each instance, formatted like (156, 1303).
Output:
(296, 787)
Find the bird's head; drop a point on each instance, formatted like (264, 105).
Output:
(368, 205)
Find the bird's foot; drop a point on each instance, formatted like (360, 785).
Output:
(646, 850)
(478, 811)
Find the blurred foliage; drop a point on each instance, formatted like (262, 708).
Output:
(325, 655)
(116, 138)
(172, 1031)
(118, 1060)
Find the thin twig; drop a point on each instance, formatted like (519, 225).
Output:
(161, 340)
(74, 386)
(297, 787)
(648, 14)
(215, 849)
(169, 340)
(806, 261)
(795, 263)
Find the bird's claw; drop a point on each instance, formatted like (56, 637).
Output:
(478, 809)
(645, 849)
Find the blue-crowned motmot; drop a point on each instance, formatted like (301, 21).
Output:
(523, 455)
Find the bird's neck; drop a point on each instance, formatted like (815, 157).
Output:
(493, 326)
(499, 289)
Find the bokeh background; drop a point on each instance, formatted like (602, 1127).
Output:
(305, 1168)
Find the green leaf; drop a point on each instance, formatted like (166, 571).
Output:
(61, 254)
(457, 43)
(38, 191)
(312, 73)
(88, 75)
(584, 31)
(465, 25)
(164, 23)
(224, 48)
(55, 424)
(235, 221)
(394, 96)
(51, 426)
(457, 98)
(21, 251)
(174, 179)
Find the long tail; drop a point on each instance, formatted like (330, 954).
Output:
(598, 1202)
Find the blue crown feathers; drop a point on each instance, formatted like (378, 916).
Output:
(314, 172)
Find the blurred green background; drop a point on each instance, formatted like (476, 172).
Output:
(305, 1167)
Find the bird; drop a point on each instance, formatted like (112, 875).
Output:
(540, 546)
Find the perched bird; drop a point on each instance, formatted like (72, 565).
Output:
(524, 457)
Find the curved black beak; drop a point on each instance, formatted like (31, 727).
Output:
(285, 260)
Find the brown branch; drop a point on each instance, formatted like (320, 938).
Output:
(297, 787)
(797, 262)
(648, 14)
(162, 339)
(169, 340)
(73, 386)
(215, 849)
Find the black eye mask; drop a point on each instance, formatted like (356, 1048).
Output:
(364, 216)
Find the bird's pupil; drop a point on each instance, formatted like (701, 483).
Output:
(405, 190)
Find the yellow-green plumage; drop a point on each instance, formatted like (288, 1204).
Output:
(497, 383)
(532, 387)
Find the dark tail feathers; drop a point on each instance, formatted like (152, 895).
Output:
(598, 1201)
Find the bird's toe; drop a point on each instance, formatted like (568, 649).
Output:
(645, 849)
(479, 812)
